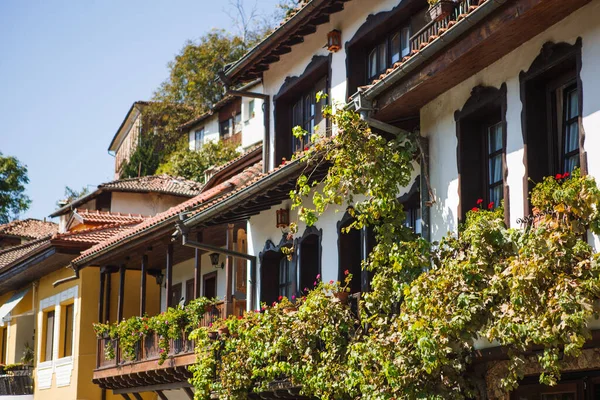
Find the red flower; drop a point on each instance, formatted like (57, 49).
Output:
(558, 176)
(306, 148)
(479, 201)
(274, 303)
(240, 317)
(280, 298)
(491, 205)
(346, 272)
(566, 175)
(474, 209)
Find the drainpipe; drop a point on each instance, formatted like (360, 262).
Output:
(185, 241)
(364, 107)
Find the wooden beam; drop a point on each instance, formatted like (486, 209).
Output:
(143, 276)
(101, 298)
(121, 299)
(137, 396)
(197, 267)
(189, 392)
(161, 395)
(169, 273)
(107, 299)
(228, 303)
(125, 396)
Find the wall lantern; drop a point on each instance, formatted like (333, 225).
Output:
(214, 260)
(283, 218)
(334, 40)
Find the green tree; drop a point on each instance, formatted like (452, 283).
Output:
(192, 164)
(13, 178)
(72, 194)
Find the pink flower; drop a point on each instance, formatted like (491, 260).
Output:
(306, 289)
(346, 272)
(293, 297)
(280, 298)
(318, 276)
(274, 303)
(315, 283)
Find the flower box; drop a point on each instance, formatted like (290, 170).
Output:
(441, 9)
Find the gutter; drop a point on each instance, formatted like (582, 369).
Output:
(69, 279)
(280, 33)
(432, 49)
(251, 190)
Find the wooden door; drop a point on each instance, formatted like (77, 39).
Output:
(189, 291)
(209, 285)
(241, 266)
(176, 295)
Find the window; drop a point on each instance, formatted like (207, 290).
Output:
(176, 295)
(198, 138)
(3, 350)
(189, 291)
(399, 47)
(277, 273)
(551, 98)
(67, 317)
(307, 114)
(237, 123)
(494, 156)
(225, 128)
(309, 257)
(285, 277)
(411, 203)
(481, 155)
(209, 285)
(48, 335)
(251, 109)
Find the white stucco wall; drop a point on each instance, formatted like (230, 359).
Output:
(438, 124)
(294, 63)
(211, 131)
(143, 203)
(253, 130)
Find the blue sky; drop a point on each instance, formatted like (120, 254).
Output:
(70, 70)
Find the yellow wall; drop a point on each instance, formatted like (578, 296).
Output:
(20, 328)
(131, 304)
(46, 290)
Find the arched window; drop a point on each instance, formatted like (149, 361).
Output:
(309, 257)
(277, 273)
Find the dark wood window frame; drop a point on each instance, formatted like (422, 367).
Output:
(275, 255)
(310, 232)
(69, 320)
(411, 203)
(552, 55)
(482, 98)
(289, 94)
(173, 301)
(365, 245)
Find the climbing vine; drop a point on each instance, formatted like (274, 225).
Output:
(416, 332)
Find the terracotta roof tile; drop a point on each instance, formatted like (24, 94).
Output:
(29, 228)
(157, 184)
(94, 235)
(12, 254)
(106, 217)
(173, 212)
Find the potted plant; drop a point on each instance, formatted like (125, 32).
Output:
(343, 291)
(440, 9)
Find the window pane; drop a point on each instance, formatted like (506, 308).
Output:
(251, 109)
(495, 138)
(496, 195)
(572, 138)
(49, 337)
(373, 63)
(495, 168)
(395, 48)
(405, 41)
(383, 63)
(68, 342)
(571, 163)
(573, 102)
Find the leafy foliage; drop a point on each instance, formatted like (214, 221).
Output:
(192, 164)
(168, 325)
(13, 178)
(72, 194)
(415, 334)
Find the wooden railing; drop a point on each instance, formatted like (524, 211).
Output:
(234, 139)
(148, 348)
(434, 28)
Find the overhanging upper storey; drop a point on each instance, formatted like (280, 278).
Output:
(301, 22)
(444, 53)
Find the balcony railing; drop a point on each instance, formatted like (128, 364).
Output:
(436, 28)
(148, 348)
(233, 139)
(16, 382)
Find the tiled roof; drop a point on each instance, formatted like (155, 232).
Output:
(157, 184)
(29, 228)
(12, 254)
(94, 235)
(106, 217)
(172, 213)
(440, 36)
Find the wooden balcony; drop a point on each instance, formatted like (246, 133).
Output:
(144, 370)
(234, 139)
